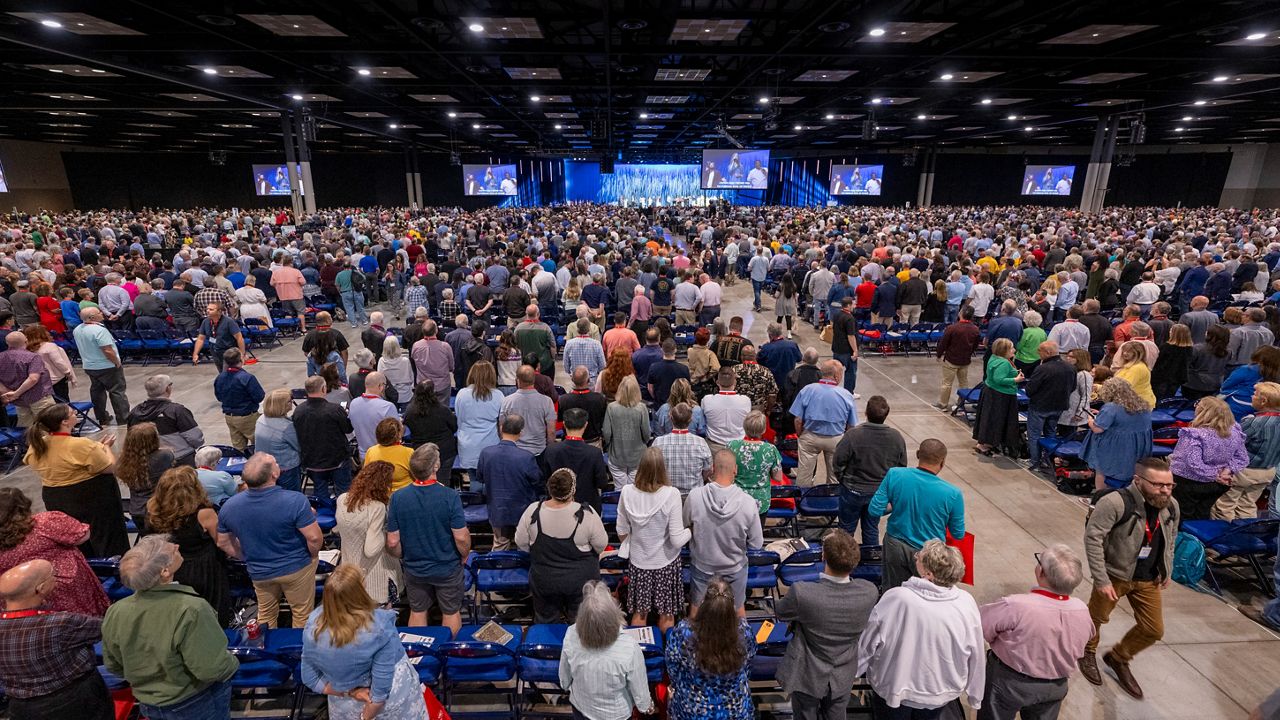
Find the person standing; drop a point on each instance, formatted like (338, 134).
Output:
(823, 412)
(826, 617)
(24, 380)
(725, 523)
(509, 477)
(1036, 638)
(47, 664)
(955, 351)
(288, 282)
(276, 534)
(433, 360)
(322, 428)
(601, 666)
(534, 337)
(223, 331)
(863, 457)
(427, 530)
(725, 411)
(585, 460)
(1129, 541)
(370, 409)
(844, 343)
(101, 361)
(240, 394)
(923, 507)
(564, 539)
(535, 409)
(1048, 396)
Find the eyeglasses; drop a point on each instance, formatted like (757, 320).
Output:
(1156, 485)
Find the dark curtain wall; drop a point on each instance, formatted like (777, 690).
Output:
(997, 179)
(1189, 179)
(807, 181)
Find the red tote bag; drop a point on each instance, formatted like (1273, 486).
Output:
(965, 546)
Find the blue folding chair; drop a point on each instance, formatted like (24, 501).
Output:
(769, 654)
(609, 507)
(820, 503)
(1240, 544)
(500, 571)
(422, 645)
(762, 577)
(538, 660)
(14, 443)
(783, 507)
(108, 572)
(474, 509)
(472, 667)
(613, 570)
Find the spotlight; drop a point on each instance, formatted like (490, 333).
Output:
(1013, 117)
(829, 116)
(644, 116)
(876, 101)
(1220, 78)
(876, 32)
(475, 126)
(986, 101)
(922, 117)
(363, 71)
(1179, 129)
(797, 127)
(1255, 36)
(1199, 102)
(210, 71)
(559, 126)
(51, 23)
(764, 100)
(1186, 118)
(296, 97)
(1028, 128)
(535, 98)
(947, 76)
(393, 126)
(475, 27)
(453, 114)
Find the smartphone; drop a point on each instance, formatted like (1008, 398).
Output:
(766, 629)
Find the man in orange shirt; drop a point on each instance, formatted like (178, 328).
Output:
(619, 336)
(288, 281)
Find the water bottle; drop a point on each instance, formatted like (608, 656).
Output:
(253, 634)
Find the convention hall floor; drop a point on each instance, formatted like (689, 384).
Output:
(1213, 662)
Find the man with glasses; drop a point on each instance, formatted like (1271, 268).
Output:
(1129, 541)
(1036, 638)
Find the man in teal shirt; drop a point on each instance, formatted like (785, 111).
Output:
(352, 297)
(101, 361)
(922, 507)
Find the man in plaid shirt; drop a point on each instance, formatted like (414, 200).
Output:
(47, 664)
(582, 351)
(687, 456)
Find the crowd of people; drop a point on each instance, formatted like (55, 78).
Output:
(464, 319)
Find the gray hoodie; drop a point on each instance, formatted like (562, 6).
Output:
(725, 522)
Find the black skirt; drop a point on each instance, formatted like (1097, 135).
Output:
(96, 502)
(996, 423)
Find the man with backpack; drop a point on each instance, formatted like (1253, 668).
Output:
(351, 284)
(1129, 541)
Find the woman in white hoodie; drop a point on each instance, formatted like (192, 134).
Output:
(651, 525)
(923, 644)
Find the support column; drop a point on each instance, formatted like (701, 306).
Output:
(922, 186)
(1253, 172)
(291, 162)
(932, 167)
(1094, 194)
(408, 177)
(301, 120)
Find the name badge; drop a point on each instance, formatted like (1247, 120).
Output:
(1145, 552)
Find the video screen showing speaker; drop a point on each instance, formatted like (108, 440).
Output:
(271, 180)
(856, 179)
(1048, 179)
(489, 179)
(735, 169)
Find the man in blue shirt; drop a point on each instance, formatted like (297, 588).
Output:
(1006, 325)
(922, 507)
(758, 268)
(646, 357)
(510, 478)
(779, 355)
(427, 530)
(222, 330)
(101, 361)
(276, 534)
(823, 411)
(240, 393)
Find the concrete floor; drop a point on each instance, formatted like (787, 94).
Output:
(1213, 662)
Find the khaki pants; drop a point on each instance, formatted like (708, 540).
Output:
(810, 446)
(1241, 500)
(910, 314)
(949, 375)
(686, 317)
(27, 415)
(299, 588)
(1145, 601)
(241, 429)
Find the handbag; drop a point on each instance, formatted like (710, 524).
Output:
(965, 546)
(435, 709)
(827, 333)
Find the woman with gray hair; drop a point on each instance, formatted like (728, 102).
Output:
(366, 362)
(395, 364)
(165, 639)
(601, 666)
(923, 645)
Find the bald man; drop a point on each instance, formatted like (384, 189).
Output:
(47, 664)
(100, 359)
(24, 380)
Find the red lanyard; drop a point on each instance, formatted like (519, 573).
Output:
(1261, 414)
(61, 434)
(1054, 595)
(679, 432)
(567, 438)
(18, 614)
(728, 392)
(1150, 531)
(749, 362)
(582, 392)
(752, 439)
(367, 396)
(424, 483)
(826, 382)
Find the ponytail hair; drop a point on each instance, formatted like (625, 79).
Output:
(48, 421)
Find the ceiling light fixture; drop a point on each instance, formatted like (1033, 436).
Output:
(829, 116)
(1027, 128)
(210, 71)
(475, 126)
(797, 127)
(1255, 36)
(644, 116)
(475, 27)
(922, 117)
(876, 101)
(51, 23)
(1186, 118)
(453, 114)
(535, 98)
(876, 32)
(1199, 102)
(364, 71)
(559, 126)
(96, 70)
(947, 76)
(296, 97)
(1013, 117)
(764, 100)
(1179, 129)
(54, 70)
(986, 101)
(1220, 78)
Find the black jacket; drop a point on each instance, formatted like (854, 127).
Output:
(175, 424)
(1050, 386)
(587, 463)
(865, 454)
(322, 429)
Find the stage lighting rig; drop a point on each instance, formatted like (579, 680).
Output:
(723, 131)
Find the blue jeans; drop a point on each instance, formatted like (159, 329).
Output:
(818, 307)
(291, 479)
(951, 314)
(212, 703)
(1040, 423)
(853, 509)
(339, 478)
(756, 286)
(353, 303)
(850, 369)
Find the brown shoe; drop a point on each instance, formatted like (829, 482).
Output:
(1089, 668)
(1121, 669)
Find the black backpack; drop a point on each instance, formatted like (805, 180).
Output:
(357, 279)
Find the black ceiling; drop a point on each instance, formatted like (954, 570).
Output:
(1036, 72)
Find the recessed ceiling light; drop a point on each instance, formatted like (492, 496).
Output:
(922, 117)
(1255, 36)
(51, 23)
(559, 126)
(1199, 102)
(475, 27)
(876, 101)
(363, 71)
(393, 126)
(1220, 78)
(475, 126)
(947, 76)
(296, 97)
(210, 71)
(986, 101)
(797, 127)
(876, 32)
(1013, 117)
(829, 116)
(453, 114)
(535, 98)
(1186, 118)
(764, 100)
(644, 116)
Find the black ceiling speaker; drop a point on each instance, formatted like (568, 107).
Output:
(606, 165)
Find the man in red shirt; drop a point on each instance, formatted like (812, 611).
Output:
(955, 351)
(864, 294)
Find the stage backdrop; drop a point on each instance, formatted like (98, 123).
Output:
(644, 184)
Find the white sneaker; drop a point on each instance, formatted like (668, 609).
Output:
(856, 396)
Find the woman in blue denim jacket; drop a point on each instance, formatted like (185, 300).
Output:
(351, 652)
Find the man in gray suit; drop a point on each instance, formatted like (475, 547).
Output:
(827, 617)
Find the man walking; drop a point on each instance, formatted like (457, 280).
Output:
(1048, 395)
(863, 457)
(924, 507)
(1129, 541)
(240, 394)
(955, 351)
(101, 361)
(823, 412)
(222, 330)
(844, 343)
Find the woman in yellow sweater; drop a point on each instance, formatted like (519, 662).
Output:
(1133, 370)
